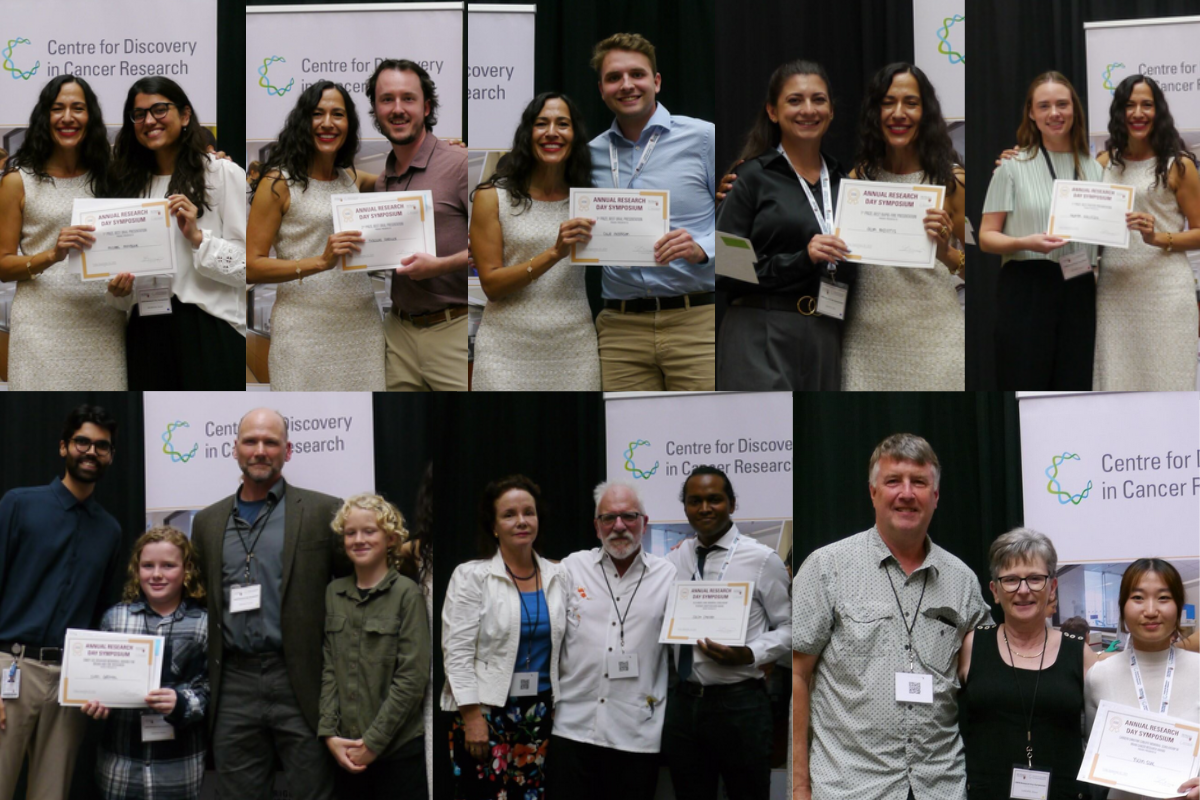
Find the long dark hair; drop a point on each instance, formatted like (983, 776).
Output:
(1164, 137)
(764, 134)
(1029, 138)
(38, 145)
(133, 164)
(935, 151)
(293, 152)
(514, 172)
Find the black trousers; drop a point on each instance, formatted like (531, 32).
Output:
(726, 734)
(582, 771)
(1045, 328)
(400, 777)
(187, 349)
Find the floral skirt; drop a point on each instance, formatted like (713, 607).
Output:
(517, 737)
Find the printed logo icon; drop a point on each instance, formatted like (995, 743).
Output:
(629, 465)
(944, 45)
(1055, 488)
(852, 197)
(14, 71)
(169, 448)
(585, 203)
(1107, 79)
(266, 84)
(1114, 724)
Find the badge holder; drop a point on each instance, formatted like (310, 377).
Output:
(10, 686)
(524, 684)
(245, 598)
(914, 687)
(1029, 783)
(153, 295)
(1074, 265)
(155, 728)
(831, 299)
(622, 665)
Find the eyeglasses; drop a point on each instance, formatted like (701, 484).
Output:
(629, 517)
(1035, 582)
(82, 444)
(158, 111)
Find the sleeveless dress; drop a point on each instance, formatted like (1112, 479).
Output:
(542, 335)
(1146, 314)
(64, 335)
(904, 327)
(326, 333)
(993, 725)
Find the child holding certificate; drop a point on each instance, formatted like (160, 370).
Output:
(377, 651)
(159, 751)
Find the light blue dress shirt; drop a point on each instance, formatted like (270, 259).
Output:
(684, 162)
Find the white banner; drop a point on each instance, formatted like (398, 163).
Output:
(656, 441)
(289, 48)
(1164, 49)
(940, 48)
(190, 439)
(110, 45)
(1113, 477)
(499, 72)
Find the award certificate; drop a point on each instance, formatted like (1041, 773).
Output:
(395, 225)
(884, 223)
(1140, 751)
(1093, 213)
(116, 669)
(717, 610)
(628, 223)
(135, 235)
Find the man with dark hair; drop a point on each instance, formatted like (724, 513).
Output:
(426, 331)
(59, 566)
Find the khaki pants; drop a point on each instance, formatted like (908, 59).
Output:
(658, 350)
(38, 726)
(425, 359)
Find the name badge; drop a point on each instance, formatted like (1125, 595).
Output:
(154, 301)
(10, 686)
(622, 665)
(1074, 265)
(831, 301)
(155, 728)
(1029, 784)
(524, 684)
(913, 687)
(245, 598)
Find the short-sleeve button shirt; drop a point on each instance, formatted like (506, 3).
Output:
(865, 743)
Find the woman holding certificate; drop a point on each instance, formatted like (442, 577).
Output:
(537, 330)
(64, 336)
(903, 140)
(502, 623)
(1146, 315)
(326, 334)
(1046, 300)
(161, 152)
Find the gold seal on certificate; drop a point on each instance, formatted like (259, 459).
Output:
(115, 669)
(395, 225)
(884, 223)
(628, 223)
(1140, 751)
(717, 610)
(134, 235)
(1092, 213)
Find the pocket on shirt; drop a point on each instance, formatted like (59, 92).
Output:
(937, 643)
(863, 628)
(380, 640)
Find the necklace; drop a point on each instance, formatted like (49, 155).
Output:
(1021, 655)
(517, 577)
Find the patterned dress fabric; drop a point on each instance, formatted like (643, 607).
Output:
(514, 768)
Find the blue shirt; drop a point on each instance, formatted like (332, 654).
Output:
(58, 563)
(533, 651)
(684, 162)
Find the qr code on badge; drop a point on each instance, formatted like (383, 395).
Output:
(525, 684)
(622, 666)
(914, 687)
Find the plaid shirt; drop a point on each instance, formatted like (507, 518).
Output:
(129, 769)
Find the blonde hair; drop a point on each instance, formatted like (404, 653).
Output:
(387, 516)
(624, 41)
(193, 587)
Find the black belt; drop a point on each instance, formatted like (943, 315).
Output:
(51, 655)
(696, 690)
(662, 303)
(770, 302)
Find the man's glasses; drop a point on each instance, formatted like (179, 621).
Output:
(158, 111)
(608, 520)
(1035, 582)
(82, 444)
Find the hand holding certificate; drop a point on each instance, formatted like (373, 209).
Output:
(133, 236)
(884, 223)
(395, 226)
(628, 224)
(114, 669)
(1093, 213)
(1140, 751)
(717, 610)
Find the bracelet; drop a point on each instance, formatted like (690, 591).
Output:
(29, 268)
(1169, 241)
(300, 274)
(529, 269)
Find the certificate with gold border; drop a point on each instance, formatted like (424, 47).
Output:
(884, 223)
(134, 235)
(396, 225)
(1139, 751)
(628, 223)
(115, 669)
(717, 610)
(1092, 213)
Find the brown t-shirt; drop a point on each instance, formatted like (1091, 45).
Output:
(442, 169)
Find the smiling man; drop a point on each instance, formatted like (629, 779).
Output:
(879, 618)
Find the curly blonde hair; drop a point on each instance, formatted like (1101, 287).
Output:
(193, 587)
(387, 516)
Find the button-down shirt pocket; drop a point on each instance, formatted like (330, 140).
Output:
(380, 640)
(863, 631)
(937, 643)
(335, 624)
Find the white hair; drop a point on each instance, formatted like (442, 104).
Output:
(603, 487)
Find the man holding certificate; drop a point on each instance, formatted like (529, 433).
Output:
(715, 676)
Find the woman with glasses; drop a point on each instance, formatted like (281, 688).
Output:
(161, 151)
(63, 335)
(1022, 681)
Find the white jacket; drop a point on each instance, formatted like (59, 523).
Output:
(481, 630)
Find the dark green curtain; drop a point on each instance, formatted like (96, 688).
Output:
(231, 80)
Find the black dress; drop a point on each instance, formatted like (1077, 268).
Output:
(993, 725)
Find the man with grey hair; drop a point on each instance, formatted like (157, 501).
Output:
(609, 715)
(883, 614)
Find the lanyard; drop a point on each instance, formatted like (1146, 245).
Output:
(1167, 677)
(621, 619)
(537, 604)
(824, 219)
(696, 576)
(1033, 702)
(1051, 166)
(908, 628)
(616, 167)
(238, 525)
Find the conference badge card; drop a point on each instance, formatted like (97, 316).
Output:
(1140, 752)
(1093, 213)
(717, 610)
(134, 235)
(628, 223)
(395, 226)
(115, 669)
(884, 223)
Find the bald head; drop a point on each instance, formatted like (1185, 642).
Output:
(260, 417)
(262, 450)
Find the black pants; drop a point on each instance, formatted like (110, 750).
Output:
(187, 349)
(582, 771)
(1045, 328)
(400, 777)
(727, 734)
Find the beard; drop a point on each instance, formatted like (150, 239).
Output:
(270, 476)
(621, 547)
(73, 468)
(418, 129)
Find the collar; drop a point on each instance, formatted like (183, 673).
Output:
(775, 160)
(69, 501)
(351, 588)
(186, 608)
(497, 566)
(420, 159)
(726, 541)
(661, 119)
(881, 553)
(274, 493)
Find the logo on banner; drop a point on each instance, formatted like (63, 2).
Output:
(1055, 488)
(944, 45)
(1106, 80)
(264, 82)
(631, 468)
(169, 447)
(14, 71)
